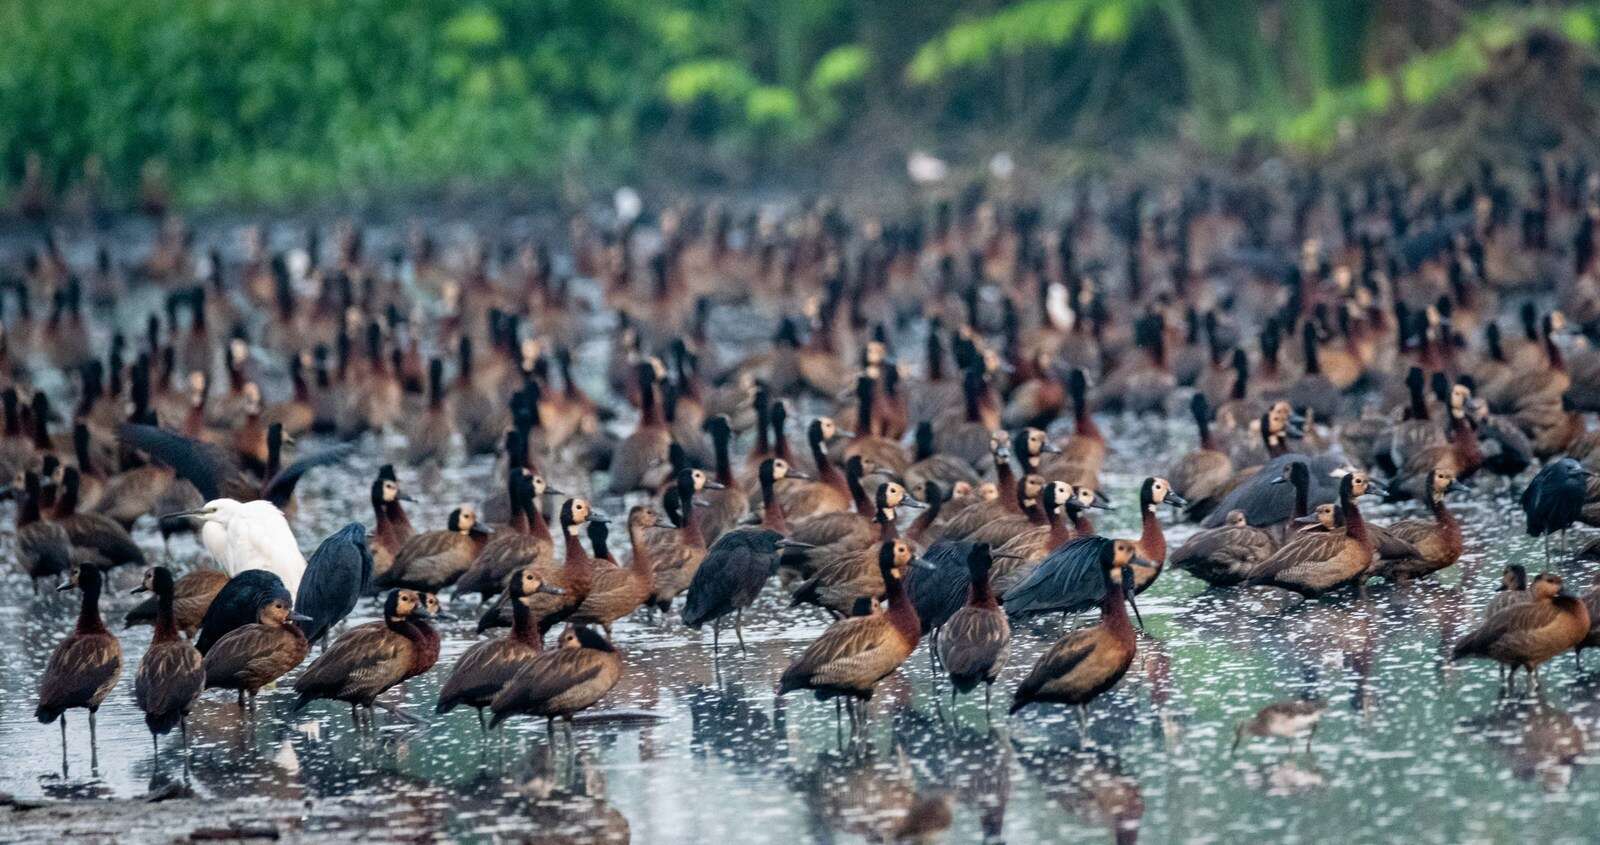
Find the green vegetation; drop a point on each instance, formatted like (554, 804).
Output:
(286, 100)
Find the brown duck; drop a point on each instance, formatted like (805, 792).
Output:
(252, 656)
(557, 684)
(485, 668)
(1314, 563)
(369, 659)
(1529, 633)
(85, 666)
(170, 676)
(432, 560)
(616, 592)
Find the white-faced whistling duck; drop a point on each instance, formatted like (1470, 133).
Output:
(930, 465)
(524, 541)
(337, 575)
(485, 668)
(1286, 719)
(975, 642)
(252, 656)
(615, 592)
(98, 539)
(828, 490)
(192, 596)
(855, 653)
(1152, 543)
(1084, 453)
(646, 447)
(1312, 564)
(844, 571)
(84, 666)
(1553, 500)
(433, 560)
(1526, 634)
(573, 577)
(771, 471)
(728, 506)
(560, 683)
(170, 676)
(1204, 475)
(44, 550)
(367, 660)
(1224, 556)
(1089, 661)
(1437, 539)
(676, 555)
(736, 568)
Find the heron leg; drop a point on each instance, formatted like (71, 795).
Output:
(1311, 736)
(716, 631)
(738, 628)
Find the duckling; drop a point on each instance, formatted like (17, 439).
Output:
(486, 667)
(369, 659)
(1529, 633)
(85, 666)
(1226, 555)
(560, 683)
(857, 652)
(1089, 661)
(254, 656)
(170, 676)
(433, 560)
(974, 643)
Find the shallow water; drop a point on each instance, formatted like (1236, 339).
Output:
(1410, 747)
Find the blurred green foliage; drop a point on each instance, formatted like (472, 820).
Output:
(275, 101)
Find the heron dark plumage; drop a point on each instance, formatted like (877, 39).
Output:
(337, 575)
(1068, 581)
(238, 603)
(1267, 502)
(736, 568)
(1553, 500)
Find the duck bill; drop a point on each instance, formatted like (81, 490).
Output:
(715, 485)
(64, 586)
(1050, 449)
(1377, 486)
(1458, 487)
(599, 516)
(300, 618)
(1101, 502)
(139, 589)
(910, 502)
(550, 590)
(797, 475)
(1175, 500)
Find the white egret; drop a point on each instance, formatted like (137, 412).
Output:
(250, 535)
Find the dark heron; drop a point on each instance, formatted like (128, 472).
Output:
(238, 603)
(735, 569)
(337, 575)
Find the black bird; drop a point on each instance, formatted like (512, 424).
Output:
(170, 675)
(1266, 502)
(735, 569)
(215, 472)
(939, 592)
(1554, 500)
(1070, 580)
(238, 603)
(337, 575)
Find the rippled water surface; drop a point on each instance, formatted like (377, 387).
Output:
(1410, 748)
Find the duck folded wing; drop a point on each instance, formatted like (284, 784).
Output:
(1303, 551)
(367, 657)
(248, 652)
(483, 670)
(967, 644)
(81, 670)
(1066, 655)
(850, 651)
(168, 679)
(1513, 629)
(553, 674)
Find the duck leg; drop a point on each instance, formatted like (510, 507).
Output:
(482, 726)
(94, 750)
(396, 711)
(63, 744)
(1311, 736)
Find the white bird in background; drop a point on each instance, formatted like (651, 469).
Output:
(924, 169)
(251, 535)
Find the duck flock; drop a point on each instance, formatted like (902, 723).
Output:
(887, 420)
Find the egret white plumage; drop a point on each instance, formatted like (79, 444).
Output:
(251, 535)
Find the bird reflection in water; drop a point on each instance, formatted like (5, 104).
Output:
(1540, 743)
(861, 792)
(563, 797)
(1090, 785)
